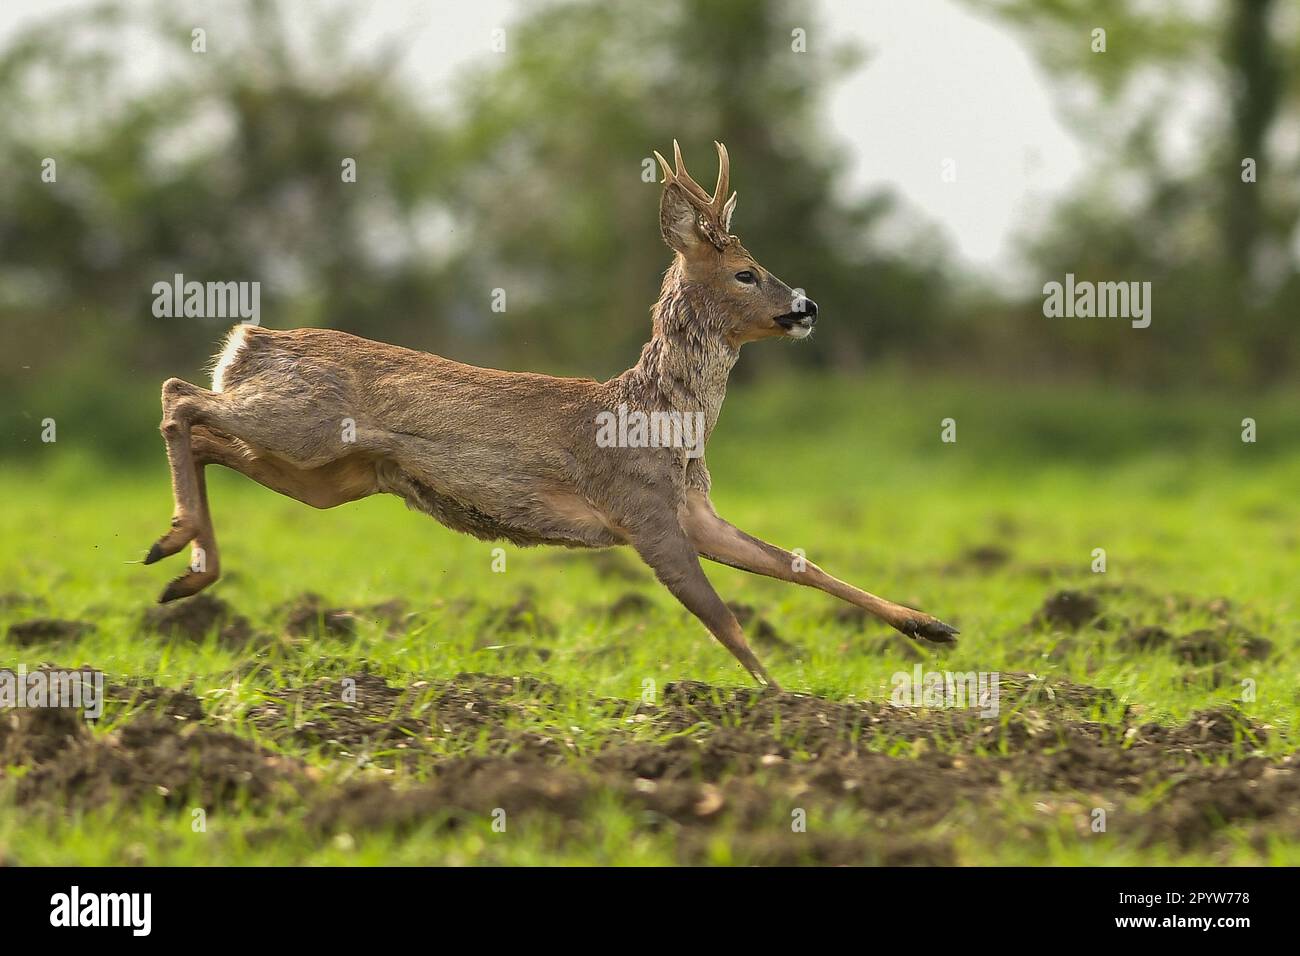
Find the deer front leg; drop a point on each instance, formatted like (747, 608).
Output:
(720, 541)
(677, 566)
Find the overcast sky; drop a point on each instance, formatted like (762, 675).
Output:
(939, 84)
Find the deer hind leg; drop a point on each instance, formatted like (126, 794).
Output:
(324, 486)
(191, 519)
(724, 543)
(677, 566)
(197, 427)
(187, 498)
(205, 560)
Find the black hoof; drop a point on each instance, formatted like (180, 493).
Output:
(174, 591)
(934, 631)
(155, 554)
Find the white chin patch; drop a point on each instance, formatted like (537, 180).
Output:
(799, 331)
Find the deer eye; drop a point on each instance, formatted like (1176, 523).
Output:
(746, 277)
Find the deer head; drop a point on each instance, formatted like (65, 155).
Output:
(735, 296)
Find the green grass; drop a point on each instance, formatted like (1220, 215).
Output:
(853, 473)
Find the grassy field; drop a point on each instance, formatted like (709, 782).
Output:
(426, 708)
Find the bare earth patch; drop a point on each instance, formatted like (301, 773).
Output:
(704, 763)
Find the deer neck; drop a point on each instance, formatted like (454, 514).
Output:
(685, 365)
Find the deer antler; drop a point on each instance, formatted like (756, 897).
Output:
(716, 208)
(719, 199)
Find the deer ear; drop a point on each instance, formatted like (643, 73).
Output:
(677, 218)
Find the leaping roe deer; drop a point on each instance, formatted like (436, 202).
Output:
(512, 455)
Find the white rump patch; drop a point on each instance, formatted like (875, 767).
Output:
(229, 352)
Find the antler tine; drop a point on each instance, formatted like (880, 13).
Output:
(669, 177)
(727, 210)
(684, 178)
(719, 198)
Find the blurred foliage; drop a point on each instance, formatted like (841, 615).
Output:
(562, 193)
(227, 166)
(535, 179)
(1222, 254)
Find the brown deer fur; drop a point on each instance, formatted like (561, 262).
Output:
(509, 455)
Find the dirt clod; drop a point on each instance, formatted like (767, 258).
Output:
(150, 758)
(193, 619)
(307, 616)
(1226, 642)
(761, 631)
(45, 629)
(144, 696)
(629, 605)
(1145, 639)
(15, 599)
(614, 564)
(1068, 609)
(521, 617)
(985, 558)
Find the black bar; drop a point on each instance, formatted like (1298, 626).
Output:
(341, 905)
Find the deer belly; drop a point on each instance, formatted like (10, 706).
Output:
(519, 516)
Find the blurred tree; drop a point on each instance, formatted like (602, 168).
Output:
(226, 165)
(560, 193)
(538, 182)
(1222, 249)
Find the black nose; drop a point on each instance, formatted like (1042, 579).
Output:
(808, 307)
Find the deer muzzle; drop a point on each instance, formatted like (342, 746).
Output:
(798, 322)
